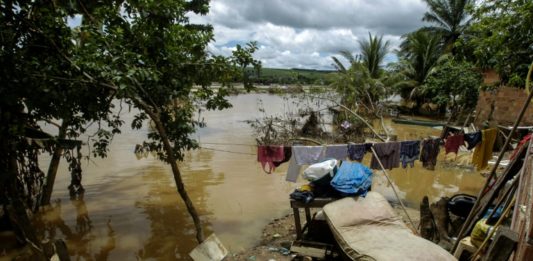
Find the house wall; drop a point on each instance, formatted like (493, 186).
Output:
(507, 105)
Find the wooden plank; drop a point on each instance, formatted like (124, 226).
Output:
(522, 223)
(502, 246)
(309, 251)
(316, 203)
(312, 249)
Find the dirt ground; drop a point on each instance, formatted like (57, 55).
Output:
(275, 242)
(278, 235)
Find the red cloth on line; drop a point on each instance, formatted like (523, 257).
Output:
(453, 143)
(267, 155)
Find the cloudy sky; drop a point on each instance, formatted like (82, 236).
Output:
(306, 33)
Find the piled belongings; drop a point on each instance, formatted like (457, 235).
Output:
(334, 179)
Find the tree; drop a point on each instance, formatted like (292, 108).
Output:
(373, 52)
(419, 52)
(450, 17)
(355, 84)
(454, 84)
(500, 38)
(360, 83)
(42, 83)
(145, 54)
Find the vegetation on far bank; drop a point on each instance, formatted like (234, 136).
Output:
(268, 76)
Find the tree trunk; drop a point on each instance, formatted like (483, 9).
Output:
(17, 211)
(52, 169)
(177, 176)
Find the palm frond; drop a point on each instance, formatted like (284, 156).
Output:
(373, 51)
(348, 56)
(338, 65)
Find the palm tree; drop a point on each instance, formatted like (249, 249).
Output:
(373, 51)
(419, 53)
(450, 17)
(361, 79)
(355, 84)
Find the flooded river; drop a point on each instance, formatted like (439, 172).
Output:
(131, 209)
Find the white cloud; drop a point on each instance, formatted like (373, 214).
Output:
(305, 33)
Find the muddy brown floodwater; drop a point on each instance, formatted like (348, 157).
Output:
(131, 209)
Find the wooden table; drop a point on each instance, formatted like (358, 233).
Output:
(296, 205)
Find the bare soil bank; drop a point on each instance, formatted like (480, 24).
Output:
(278, 235)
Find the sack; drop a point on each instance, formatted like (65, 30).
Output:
(480, 232)
(319, 170)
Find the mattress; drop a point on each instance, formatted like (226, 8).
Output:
(369, 229)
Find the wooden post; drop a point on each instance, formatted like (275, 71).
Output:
(52, 169)
(394, 189)
(297, 224)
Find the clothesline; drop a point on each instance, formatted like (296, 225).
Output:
(228, 144)
(227, 151)
(391, 153)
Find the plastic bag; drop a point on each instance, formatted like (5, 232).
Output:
(319, 170)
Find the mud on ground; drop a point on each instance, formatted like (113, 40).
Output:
(278, 235)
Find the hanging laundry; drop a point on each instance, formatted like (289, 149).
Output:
(453, 142)
(472, 139)
(293, 171)
(287, 151)
(429, 153)
(336, 151)
(483, 151)
(267, 155)
(520, 144)
(409, 152)
(388, 153)
(303, 155)
(448, 130)
(357, 151)
(352, 178)
(306, 155)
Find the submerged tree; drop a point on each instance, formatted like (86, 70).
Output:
(146, 54)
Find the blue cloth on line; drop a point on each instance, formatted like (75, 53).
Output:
(472, 139)
(409, 152)
(352, 178)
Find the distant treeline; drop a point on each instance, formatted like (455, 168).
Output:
(291, 76)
